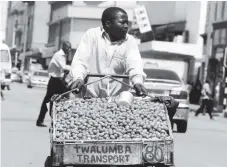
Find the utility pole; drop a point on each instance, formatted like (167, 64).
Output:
(225, 83)
(60, 34)
(115, 3)
(25, 35)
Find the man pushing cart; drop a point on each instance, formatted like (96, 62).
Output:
(114, 53)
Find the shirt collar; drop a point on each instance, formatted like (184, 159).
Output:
(62, 52)
(104, 33)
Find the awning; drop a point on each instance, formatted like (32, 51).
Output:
(33, 53)
(16, 49)
(165, 55)
(39, 53)
(183, 49)
(48, 52)
(171, 27)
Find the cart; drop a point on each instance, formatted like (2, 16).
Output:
(138, 152)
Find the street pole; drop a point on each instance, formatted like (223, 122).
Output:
(13, 40)
(16, 57)
(25, 36)
(60, 34)
(115, 3)
(225, 79)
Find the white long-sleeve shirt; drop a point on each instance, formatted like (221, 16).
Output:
(58, 64)
(206, 91)
(97, 54)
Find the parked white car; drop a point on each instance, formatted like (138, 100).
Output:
(38, 79)
(6, 65)
(15, 76)
(162, 82)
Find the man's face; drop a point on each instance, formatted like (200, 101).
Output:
(67, 48)
(119, 26)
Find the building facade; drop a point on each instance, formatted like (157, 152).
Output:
(3, 20)
(216, 42)
(15, 30)
(174, 18)
(38, 13)
(69, 21)
(27, 30)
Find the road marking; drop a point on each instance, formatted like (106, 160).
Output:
(210, 164)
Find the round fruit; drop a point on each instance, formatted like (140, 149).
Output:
(99, 119)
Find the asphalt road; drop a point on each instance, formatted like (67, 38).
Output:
(25, 145)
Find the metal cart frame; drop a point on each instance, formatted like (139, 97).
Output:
(61, 155)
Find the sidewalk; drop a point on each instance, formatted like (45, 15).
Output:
(194, 108)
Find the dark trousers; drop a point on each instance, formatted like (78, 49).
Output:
(55, 86)
(209, 106)
(2, 95)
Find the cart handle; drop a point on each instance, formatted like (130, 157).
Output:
(101, 76)
(104, 75)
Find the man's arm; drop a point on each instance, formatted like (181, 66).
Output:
(134, 63)
(61, 62)
(79, 67)
(207, 89)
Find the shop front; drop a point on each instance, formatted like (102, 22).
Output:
(37, 56)
(216, 70)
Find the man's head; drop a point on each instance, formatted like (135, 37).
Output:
(115, 23)
(66, 47)
(208, 81)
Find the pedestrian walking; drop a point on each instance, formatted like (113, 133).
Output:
(2, 77)
(207, 100)
(57, 69)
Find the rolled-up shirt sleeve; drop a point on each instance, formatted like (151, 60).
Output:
(61, 62)
(79, 66)
(134, 63)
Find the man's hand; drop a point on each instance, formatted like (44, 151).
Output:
(78, 84)
(169, 101)
(140, 90)
(66, 71)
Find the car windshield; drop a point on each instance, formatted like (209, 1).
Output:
(4, 56)
(161, 74)
(39, 73)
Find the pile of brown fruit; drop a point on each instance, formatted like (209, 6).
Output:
(98, 119)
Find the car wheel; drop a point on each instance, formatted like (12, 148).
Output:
(48, 162)
(29, 86)
(182, 126)
(2, 87)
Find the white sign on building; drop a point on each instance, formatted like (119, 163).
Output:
(142, 19)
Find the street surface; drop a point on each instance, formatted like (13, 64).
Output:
(25, 145)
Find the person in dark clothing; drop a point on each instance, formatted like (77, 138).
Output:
(207, 100)
(2, 95)
(195, 93)
(57, 70)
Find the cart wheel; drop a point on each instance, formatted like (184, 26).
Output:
(163, 165)
(160, 165)
(48, 162)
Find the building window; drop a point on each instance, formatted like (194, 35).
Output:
(223, 10)
(52, 33)
(57, 5)
(216, 37)
(222, 36)
(66, 25)
(226, 35)
(216, 11)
